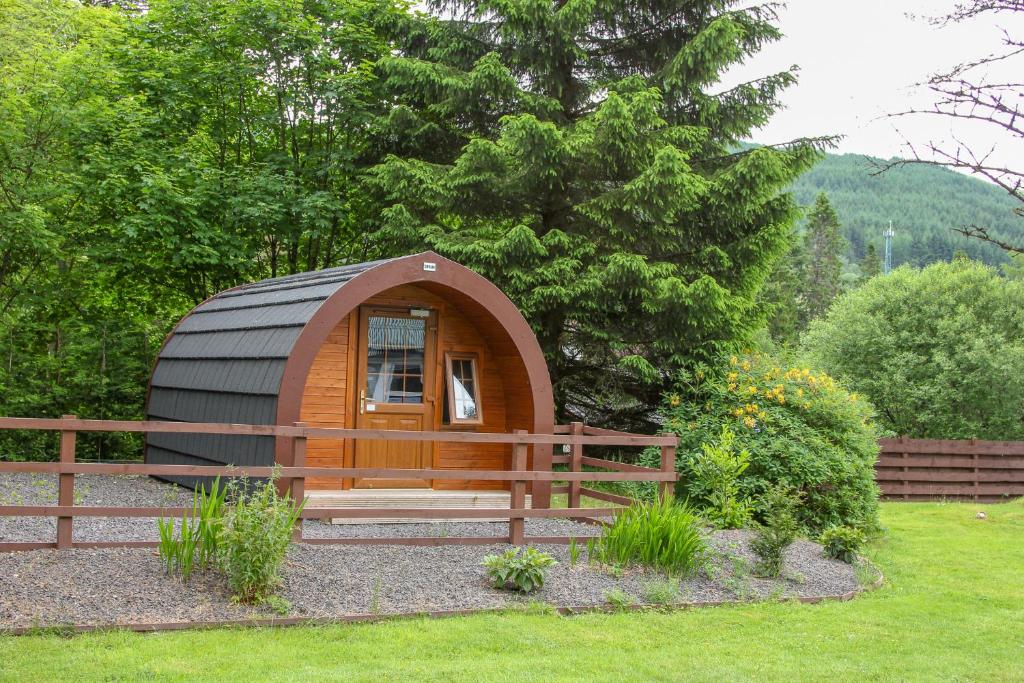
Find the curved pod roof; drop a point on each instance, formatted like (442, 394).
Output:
(243, 356)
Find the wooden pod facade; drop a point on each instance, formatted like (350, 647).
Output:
(413, 343)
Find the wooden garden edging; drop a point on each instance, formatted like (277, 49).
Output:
(294, 476)
(938, 469)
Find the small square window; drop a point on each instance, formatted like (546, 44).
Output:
(461, 389)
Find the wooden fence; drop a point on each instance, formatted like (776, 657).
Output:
(933, 469)
(576, 436)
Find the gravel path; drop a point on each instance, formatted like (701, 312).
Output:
(122, 586)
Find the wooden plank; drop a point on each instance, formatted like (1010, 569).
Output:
(376, 472)
(940, 475)
(953, 489)
(666, 489)
(325, 432)
(613, 465)
(923, 460)
(66, 486)
(310, 513)
(298, 484)
(413, 540)
(560, 459)
(575, 465)
(951, 447)
(516, 522)
(607, 497)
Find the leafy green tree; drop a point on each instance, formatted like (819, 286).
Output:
(581, 156)
(822, 266)
(938, 351)
(871, 264)
(782, 295)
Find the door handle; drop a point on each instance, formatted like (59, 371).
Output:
(362, 401)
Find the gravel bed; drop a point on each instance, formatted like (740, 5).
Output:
(123, 586)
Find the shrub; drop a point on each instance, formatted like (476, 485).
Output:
(520, 570)
(799, 428)
(927, 347)
(255, 537)
(716, 482)
(777, 531)
(659, 534)
(842, 543)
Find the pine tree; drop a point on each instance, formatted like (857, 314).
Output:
(871, 264)
(580, 155)
(823, 265)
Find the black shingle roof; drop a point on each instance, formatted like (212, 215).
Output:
(224, 362)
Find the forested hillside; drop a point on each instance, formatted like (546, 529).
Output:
(924, 204)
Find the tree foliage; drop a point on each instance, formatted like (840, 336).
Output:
(939, 351)
(580, 155)
(150, 159)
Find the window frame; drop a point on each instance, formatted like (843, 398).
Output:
(449, 379)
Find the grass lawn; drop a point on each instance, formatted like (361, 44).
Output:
(952, 609)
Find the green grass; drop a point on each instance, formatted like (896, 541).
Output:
(953, 609)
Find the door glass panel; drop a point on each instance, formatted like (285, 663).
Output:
(394, 359)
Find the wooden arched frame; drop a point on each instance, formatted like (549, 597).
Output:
(446, 274)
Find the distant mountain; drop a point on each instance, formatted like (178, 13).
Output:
(924, 204)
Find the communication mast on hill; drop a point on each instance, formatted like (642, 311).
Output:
(888, 235)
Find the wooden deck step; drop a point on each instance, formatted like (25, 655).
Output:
(407, 498)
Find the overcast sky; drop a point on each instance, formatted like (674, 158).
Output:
(858, 60)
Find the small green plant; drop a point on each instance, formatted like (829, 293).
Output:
(778, 530)
(716, 481)
(659, 534)
(618, 599)
(168, 547)
(255, 537)
(208, 509)
(517, 569)
(574, 551)
(661, 591)
(196, 538)
(842, 543)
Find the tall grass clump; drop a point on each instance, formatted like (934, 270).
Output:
(196, 539)
(660, 534)
(256, 534)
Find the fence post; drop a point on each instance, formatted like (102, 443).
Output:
(666, 489)
(66, 486)
(905, 482)
(517, 499)
(974, 461)
(298, 484)
(575, 465)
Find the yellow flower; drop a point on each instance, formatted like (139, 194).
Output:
(752, 390)
(779, 389)
(732, 386)
(733, 376)
(733, 360)
(749, 422)
(853, 396)
(738, 412)
(674, 400)
(782, 400)
(751, 407)
(799, 392)
(808, 405)
(761, 415)
(746, 365)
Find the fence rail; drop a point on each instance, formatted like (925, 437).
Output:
(294, 477)
(935, 469)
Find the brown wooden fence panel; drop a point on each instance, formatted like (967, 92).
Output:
(942, 469)
(293, 477)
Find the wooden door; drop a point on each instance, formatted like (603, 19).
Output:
(397, 356)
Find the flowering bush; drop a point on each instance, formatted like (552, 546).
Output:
(800, 428)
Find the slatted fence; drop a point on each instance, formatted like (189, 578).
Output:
(934, 469)
(576, 436)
